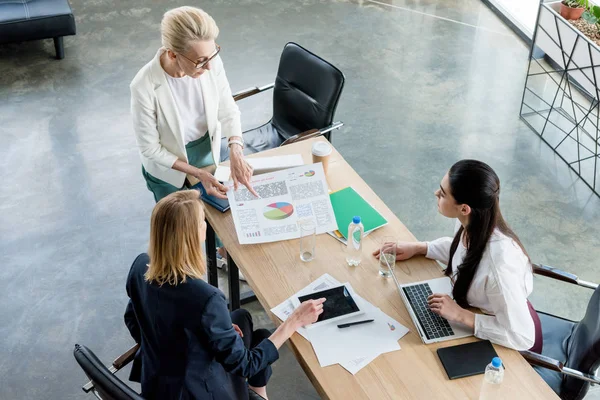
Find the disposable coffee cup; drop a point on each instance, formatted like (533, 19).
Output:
(321, 152)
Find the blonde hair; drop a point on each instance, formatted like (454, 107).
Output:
(182, 25)
(175, 245)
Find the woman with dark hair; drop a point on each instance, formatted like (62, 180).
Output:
(486, 261)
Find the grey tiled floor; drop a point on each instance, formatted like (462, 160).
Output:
(428, 82)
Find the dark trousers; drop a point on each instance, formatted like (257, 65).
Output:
(252, 338)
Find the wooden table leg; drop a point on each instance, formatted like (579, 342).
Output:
(211, 255)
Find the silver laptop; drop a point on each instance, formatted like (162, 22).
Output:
(431, 327)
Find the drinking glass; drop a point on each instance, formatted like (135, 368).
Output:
(308, 232)
(387, 256)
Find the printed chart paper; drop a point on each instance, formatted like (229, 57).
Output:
(286, 197)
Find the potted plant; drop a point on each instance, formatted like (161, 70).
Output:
(572, 9)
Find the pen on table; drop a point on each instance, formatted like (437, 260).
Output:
(355, 323)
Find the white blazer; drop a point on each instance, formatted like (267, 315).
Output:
(157, 124)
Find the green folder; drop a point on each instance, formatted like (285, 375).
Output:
(347, 203)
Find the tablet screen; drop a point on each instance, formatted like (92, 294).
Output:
(338, 302)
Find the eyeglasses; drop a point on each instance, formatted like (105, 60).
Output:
(202, 64)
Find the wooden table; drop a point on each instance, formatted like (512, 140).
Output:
(275, 272)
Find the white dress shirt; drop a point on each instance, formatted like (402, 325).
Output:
(500, 287)
(190, 104)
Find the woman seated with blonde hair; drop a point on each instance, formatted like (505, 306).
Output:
(191, 347)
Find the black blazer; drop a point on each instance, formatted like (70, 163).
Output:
(189, 349)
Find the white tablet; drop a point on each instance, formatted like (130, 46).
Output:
(340, 304)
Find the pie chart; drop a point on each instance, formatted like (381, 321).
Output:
(277, 211)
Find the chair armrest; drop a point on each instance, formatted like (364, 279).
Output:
(555, 365)
(251, 91)
(542, 361)
(119, 363)
(126, 357)
(560, 275)
(312, 133)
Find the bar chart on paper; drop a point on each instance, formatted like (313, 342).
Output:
(278, 211)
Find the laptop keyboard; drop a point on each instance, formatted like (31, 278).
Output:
(433, 325)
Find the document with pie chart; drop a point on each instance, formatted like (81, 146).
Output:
(286, 199)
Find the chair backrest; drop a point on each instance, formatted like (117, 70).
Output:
(306, 93)
(583, 349)
(108, 386)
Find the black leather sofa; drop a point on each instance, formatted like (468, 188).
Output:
(24, 20)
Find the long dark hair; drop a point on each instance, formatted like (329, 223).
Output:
(476, 184)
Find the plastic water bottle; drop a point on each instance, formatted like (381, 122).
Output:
(356, 232)
(494, 375)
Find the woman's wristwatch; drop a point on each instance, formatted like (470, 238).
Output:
(236, 141)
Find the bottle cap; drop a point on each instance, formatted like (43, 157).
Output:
(496, 362)
(356, 219)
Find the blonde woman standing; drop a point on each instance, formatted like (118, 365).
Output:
(182, 107)
(191, 347)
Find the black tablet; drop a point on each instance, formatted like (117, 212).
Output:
(340, 304)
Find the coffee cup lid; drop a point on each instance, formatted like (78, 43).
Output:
(321, 149)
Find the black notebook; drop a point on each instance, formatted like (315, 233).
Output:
(220, 204)
(466, 359)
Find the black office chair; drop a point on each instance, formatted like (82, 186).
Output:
(103, 383)
(305, 95)
(571, 351)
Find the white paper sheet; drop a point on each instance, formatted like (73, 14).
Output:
(286, 197)
(357, 364)
(333, 345)
(262, 165)
(392, 333)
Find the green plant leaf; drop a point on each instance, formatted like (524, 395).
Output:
(596, 11)
(589, 18)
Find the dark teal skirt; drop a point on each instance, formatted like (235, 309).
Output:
(199, 154)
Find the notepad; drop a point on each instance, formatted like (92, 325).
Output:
(220, 204)
(347, 203)
(466, 359)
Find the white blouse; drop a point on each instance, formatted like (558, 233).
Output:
(500, 287)
(190, 104)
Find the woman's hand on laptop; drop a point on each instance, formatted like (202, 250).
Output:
(404, 250)
(444, 306)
